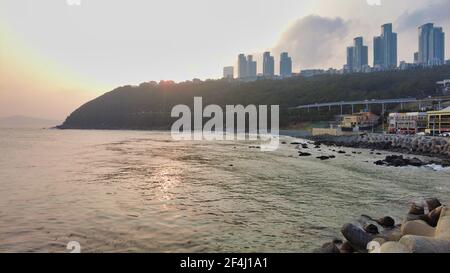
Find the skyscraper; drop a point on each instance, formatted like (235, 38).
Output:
(431, 45)
(360, 54)
(228, 72)
(389, 46)
(268, 65)
(242, 67)
(285, 65)
(385, 48)
(378, 52)
(349, 65)
(251, 67)
(437, 51)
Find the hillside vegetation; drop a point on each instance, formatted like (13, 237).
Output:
(148, 105)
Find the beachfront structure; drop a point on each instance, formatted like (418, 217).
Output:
(407, 123)
(359, 121)
(438, 122)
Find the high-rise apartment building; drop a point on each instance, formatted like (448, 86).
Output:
(251, 66)
(242, 67)
(285, 65)
(385, 48)
(268, 65)
(228, 72)
(360, 55)
(431, 45)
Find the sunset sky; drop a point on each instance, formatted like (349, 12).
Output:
(55, 56)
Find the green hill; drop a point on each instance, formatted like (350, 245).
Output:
(148, 105)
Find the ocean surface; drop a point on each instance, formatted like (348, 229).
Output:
(133, 191)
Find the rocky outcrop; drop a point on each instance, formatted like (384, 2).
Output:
(421, 145)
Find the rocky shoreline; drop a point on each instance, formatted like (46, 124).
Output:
(436, 147)
(425, 229)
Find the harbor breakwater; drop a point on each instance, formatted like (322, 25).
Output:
(413, 144)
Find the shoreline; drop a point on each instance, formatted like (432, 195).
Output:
(434, 147)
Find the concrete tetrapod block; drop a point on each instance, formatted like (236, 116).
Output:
(421, 244)
(394, 247)
(419, 228)
(443, 226)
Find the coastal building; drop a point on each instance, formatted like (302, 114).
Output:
(285, 65)
(407, 123)
(361, 121)
(431, 45)
(385, 48)
(228, 72)
(438, 122)
(268, 65)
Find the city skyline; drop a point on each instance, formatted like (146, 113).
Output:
(84, 57)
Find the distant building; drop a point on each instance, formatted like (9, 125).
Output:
(407, 123)
(312, 72)
(360, 56)
(251, 66)
(359, 122)
(443, 87)
(416, 57)
(447, 62)
(285, 65)
(378, 52)
(228, 72)
(405, 66)
(349, 66)
(385, 48)
(431, 45)
(268, 65)
(242, 67)
(438, 122)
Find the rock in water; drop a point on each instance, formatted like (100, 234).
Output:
(371, 229)
(416, 209)
(346, 247)
(386, 222)
(329, 248)
(434, 216)
(356, 236)
(433, 203)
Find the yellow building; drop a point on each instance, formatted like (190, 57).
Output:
(438, 122)
(359, 121)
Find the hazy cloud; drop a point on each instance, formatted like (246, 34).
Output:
(437, 12)
(313, 41)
